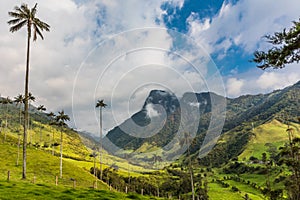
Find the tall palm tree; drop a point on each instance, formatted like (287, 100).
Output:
(187, 141)
(19, 100)
(6, 101)
(52, 122)
(23, 16)
(30, 98)
(41, 108)
(2, 124)
(61, 119)
(100, 104)
(94, 156)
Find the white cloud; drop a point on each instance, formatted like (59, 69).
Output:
(234, 86)
(75, 30)
(102, 26)
(277, 80)
(258, 81)
(243, 24)
(151, 112)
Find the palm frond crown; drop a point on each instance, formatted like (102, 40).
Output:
(24, 16)
(100, 103)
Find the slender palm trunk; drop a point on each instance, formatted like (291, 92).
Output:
(29, 133)
(6, 122)
(19, 136)
(191, 174)
(101, 143)
(26, 104)
(52, 142)
(18, 155)
(95, 174)
(94, 165)
(6, 116)
(41, 134)
(61, 156)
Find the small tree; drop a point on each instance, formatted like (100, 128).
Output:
(290, 156)
(264, 157)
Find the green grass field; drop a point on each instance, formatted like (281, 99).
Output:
(215, 191)
(27, 191)
(273, 132)
(43, 167)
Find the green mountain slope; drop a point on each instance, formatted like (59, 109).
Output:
(42, 167)
(273, 132)
(242, 114)
(282, 105)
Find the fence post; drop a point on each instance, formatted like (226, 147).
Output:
(8, 175)
(95, 184)
(33, 180)
(56, 180)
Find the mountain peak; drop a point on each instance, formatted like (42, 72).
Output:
(166, 99)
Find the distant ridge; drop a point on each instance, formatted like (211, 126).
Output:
(241, 112)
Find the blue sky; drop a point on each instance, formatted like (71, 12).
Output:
(176, 17)
(119, 50)
(236, 59)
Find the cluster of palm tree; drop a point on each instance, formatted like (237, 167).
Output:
(56, 120)
(23, 16)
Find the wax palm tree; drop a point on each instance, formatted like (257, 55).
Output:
(41, 108)
(100, 104)
(23, 16)
(52, 122)
(30, 98)
(187, 141)
(1, 120)
(2, 124)
(61, 118)
(19, 100)
(6, 101)
(94, 156)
